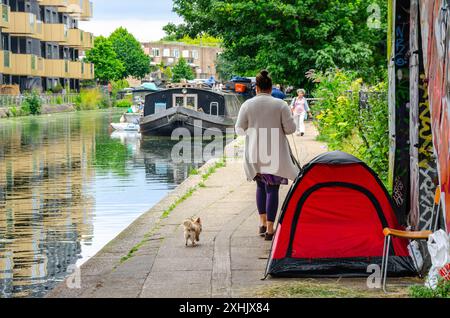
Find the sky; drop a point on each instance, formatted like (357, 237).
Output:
(143, 18)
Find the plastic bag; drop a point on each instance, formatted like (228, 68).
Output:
(439, 249)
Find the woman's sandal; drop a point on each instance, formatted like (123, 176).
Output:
(262, 231)
(268, 237)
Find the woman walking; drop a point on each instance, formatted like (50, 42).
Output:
(300, 108)
(266, 121)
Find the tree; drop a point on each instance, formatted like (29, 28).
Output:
(129, 51)
(168, 74)
(107, 66)
(182, 71)
(290, 37)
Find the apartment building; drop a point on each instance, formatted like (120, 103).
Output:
(41, 43)
(202, 59)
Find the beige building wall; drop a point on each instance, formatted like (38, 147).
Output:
(201, 58)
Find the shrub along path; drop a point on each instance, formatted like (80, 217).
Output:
(149, 259)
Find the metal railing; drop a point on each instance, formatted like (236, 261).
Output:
(52, 100)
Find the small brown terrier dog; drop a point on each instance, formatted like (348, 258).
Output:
(192, 230)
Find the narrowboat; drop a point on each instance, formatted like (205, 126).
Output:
(191, 108)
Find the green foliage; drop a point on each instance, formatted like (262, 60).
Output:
(32, 104)
(129, 51)
(124, 103)
(57, 89)
(89, 99)
(107, 65)
(442, 291)
(168, 74)
(201, 40)
(59, 100)
(289, 37)
(118, 86)
(344, 126)
(21, 111)
(182, 71)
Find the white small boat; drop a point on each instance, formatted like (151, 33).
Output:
(125, 126)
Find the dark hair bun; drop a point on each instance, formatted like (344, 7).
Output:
(265, 73)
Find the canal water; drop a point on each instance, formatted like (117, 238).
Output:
(69, 185)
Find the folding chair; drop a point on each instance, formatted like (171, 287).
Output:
(388, 234)
(411, 235)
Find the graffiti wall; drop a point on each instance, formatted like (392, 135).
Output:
(435, 38)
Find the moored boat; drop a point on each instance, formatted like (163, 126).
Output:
(195, 109)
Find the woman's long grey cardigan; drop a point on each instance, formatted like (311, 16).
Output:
(266, 121)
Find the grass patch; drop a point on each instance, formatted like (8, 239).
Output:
(193, 172)
(317, 289)
(172, 207)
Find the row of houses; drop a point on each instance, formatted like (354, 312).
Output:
(201, 58)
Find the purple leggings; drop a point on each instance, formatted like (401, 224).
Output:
(267, 199)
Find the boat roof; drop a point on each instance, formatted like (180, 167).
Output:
(223, 93)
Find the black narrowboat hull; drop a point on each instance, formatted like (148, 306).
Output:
(164, 123)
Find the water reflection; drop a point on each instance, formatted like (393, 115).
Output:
(68, 185)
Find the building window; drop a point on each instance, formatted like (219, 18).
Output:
(155, 52)
(195, 54)
(185, 53)
(176, 53)
(166, 52)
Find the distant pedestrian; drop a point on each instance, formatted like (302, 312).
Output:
(277, 93)
(110, 89)
(260, 118)
(300, 109)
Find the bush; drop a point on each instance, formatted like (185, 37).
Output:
(32, 104)
(362, 132)
(119, 85)
(57, 89)
(124, 103)
(59, 100)
(442, 291)
(89, 99)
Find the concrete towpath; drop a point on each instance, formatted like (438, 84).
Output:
(149, 259)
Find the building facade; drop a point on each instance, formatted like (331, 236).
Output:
(202, 59)
(41, 43)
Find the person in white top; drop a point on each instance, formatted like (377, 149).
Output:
(300, 108)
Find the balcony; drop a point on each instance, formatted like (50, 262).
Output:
(5, 11)
(24, 24)
(53, 3)
(80, 39)
(87, 10)
(21, 64)
(55, 33)
(68, 69)
(87, 71)
(72, 7)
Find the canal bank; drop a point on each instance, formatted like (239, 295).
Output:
(230, 260)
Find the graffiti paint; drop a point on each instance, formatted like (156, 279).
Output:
(434, 22)
(414, 214)
(400, 169)
(428, 175)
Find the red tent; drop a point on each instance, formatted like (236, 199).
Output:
(332, 223)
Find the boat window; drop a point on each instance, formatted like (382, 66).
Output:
(214, 108)
(191, 102)
(188, 101)
(179, 101)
